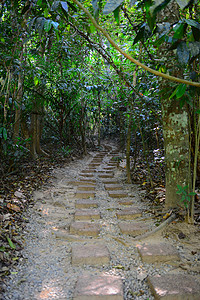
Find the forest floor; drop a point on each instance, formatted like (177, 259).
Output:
(41, 245)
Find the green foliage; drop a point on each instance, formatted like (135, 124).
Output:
(10, 243)
(3, 133)
(179, 91)
(185, 195)
(65, 150)
(15, 151)
(111, 6)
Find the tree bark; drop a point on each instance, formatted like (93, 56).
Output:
(176, 144)
(128, 150)
(175, 122)
(99, 120)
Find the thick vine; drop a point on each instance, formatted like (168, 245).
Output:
(165, 76)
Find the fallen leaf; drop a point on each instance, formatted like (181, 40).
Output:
(19, 194)
(10, 243)
(119, 267)
(167, 215)
(13, 207)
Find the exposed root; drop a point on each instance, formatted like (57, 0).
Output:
(161, 226)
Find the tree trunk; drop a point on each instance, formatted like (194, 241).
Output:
(175, 122)
(19, 96)
(82, 130)
(99, 120)
(176, 144)
(36, 131)
(128, 150)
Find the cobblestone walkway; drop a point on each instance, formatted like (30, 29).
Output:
(80, 242)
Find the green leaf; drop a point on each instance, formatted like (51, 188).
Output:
(198, 111)
(15, 258)
(158, 6)
(55, 24)
(139, 36)
(39, 2)
(64, 6)
(151, 21)
(2, 248)
(55, 5)
(183, 198)
(194, 48)
(192, 194)
(47, 25)
(179, 31)
(95, 7)
(92, 28)
(188, 198)
(179, 192)
(111, 5)
(183, 3)
(36, 81)
(183, 53)
(10, 243)
(196, 34)
(181, 90)
(5, 135)
(182, 102)
(193, 23)
(46, 12)
(116, 15)
(132, 2)
(159, 41)
(174, 93)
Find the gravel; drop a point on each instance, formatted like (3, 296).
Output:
(45, 272)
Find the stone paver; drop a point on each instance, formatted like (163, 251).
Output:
(86, 214)
(109, 181)
(87, 174)
(133, 228)
(85, 228)
(126, 202)
(174, 287)
(92, 168)
(90, 254)
(128, 214)
(98, 287)
(112, 164)
(82, 182)
(88, 171)
(105, 175)
(94, 165)
(86, 203)
(113, 187)
(105, 172)
(86, 187)
(162, 252)
(109, 168)
(86, 182)
(91, 180)
(84, 194)
(97, 160)
(117, 194)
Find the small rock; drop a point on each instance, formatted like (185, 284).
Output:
(19, 194)
(142, 276)
(181, 235)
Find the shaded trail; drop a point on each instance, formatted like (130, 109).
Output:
(78, 241)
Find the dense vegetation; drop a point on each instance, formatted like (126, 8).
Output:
(65, 86)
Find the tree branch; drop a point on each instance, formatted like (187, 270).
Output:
(168, 77)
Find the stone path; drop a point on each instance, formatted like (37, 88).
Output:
(95, 216)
